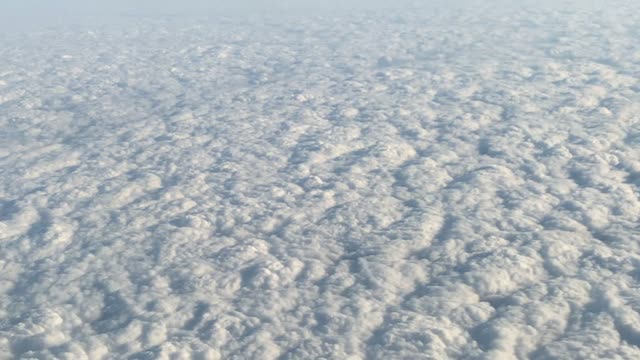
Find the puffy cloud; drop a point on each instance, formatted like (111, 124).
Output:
(377, 184)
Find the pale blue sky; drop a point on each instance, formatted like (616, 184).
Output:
(17, 14)
(32, 13)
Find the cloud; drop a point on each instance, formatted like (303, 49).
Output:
(454, 183)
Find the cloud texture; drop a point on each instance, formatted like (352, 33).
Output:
(381, 184)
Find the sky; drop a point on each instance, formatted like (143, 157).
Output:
(97, 6)
(34, 13)
(38, 13)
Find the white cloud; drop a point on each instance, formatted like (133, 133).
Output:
(376, 184)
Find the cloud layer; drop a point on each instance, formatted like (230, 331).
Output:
(436, 184)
